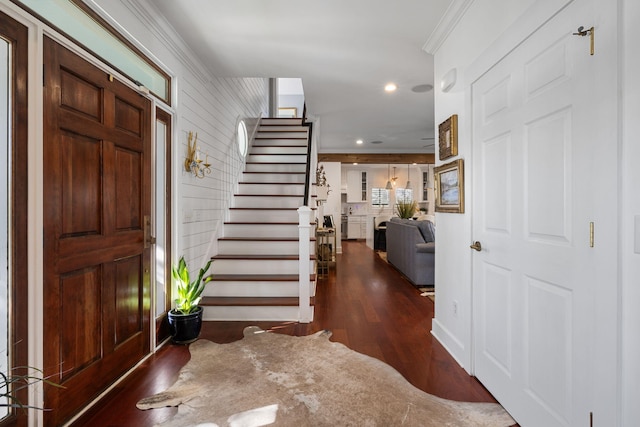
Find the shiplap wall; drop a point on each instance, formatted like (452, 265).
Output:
(213, 111)
(202, 103)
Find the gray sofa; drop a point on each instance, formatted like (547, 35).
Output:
(411, 249)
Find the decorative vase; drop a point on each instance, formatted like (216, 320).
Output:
(322, 193)
(185, 328)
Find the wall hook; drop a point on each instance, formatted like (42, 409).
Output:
(589, 32)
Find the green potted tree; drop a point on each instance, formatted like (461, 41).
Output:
(406, 209)
(185, 319)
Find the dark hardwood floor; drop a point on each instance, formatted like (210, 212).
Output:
(367, 305)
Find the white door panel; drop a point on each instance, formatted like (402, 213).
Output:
(534, 280)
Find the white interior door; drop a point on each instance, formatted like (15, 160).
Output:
(534, 281)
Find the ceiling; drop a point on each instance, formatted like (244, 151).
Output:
(344, 51)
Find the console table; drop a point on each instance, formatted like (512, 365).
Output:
(325, 250)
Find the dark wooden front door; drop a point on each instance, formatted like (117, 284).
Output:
(97, 137)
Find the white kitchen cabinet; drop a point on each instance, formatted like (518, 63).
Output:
(356, 186)
(357, 227)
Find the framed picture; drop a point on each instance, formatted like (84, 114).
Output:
(328, 221)
(448, 137)
(449, 180)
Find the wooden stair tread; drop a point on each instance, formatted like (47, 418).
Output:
(263, 239)
(259, 257)
(258, 277)
(279, 173)
(276, 163)
(302, 138)
(281, 146)
(270, 183)
(273, 209)
(269, 195)
(278, 154)
(252, 301)
(262, 223)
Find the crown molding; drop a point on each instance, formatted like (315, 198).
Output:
(449, 20)
(158, 25)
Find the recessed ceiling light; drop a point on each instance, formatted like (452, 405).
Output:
(359, 141)
(422, 88)
(390, 87)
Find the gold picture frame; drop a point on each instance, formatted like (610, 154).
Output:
(448, 137)
(449, 180)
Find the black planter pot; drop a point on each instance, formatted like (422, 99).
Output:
(185, 328)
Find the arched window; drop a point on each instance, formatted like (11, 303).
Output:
(243, 143)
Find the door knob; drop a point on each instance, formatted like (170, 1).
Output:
(476, 246)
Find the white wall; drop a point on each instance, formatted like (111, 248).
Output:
(469, 40)
(206, 104)
(630, 213)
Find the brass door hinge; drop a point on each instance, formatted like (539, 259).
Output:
(591, 234)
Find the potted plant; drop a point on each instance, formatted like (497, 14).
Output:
(12, 384)
(185, 319)
(406, 209)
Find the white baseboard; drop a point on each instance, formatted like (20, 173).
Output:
(453, 346)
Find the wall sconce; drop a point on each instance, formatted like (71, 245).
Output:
(193, 163)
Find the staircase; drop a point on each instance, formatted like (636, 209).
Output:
(256, 272)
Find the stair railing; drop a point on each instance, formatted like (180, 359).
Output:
(307, 179)
(305, 315)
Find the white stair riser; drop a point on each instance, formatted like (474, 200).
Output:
(262, 230)
(257, 288)
(275, 168)
(234, 313)
(279, 150)
(280, 142)
(277, 158)
(238, 247)
(282, 135)
(279, 121)
(234, 266)
(267, 202)
(286, 128)
(283, 178)
(264, 216)
(272, 189)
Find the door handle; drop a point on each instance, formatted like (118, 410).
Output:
(476, 246)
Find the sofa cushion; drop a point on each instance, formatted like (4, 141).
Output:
(427, 230)
(429, 248)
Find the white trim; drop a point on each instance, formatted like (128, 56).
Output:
(449, 20)
(156, 24)
(448, 341)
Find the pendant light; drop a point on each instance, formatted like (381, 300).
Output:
(389, 186)
(408, 178)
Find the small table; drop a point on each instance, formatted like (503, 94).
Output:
(325, 250)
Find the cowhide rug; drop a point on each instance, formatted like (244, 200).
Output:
(274, 379)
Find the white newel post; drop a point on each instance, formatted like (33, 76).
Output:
(304, 233)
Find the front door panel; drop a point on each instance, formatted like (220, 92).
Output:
(96, 195)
